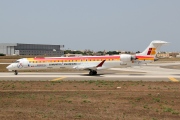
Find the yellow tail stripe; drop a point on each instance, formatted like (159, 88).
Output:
(173, 79)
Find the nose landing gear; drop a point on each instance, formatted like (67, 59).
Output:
(15, 72)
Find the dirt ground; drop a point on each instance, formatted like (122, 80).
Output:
(89, 100)
(168, 59)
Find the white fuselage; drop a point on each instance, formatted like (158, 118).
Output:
(25, 64)
(91, 63)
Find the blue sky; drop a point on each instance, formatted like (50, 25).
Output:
(91, 24)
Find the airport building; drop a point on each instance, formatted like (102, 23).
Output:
(31, 49)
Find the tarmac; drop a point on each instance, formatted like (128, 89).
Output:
(150, 72)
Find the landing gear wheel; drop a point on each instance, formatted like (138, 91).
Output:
(92, 72)
(15, 72)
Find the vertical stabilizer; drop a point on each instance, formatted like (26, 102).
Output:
(153, 48)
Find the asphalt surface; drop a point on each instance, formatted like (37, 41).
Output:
(152, 72)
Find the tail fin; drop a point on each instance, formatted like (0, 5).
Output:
(153, 48)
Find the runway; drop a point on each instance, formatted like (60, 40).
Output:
(80, 77)
(151, 72)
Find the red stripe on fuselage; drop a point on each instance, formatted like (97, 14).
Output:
(88, 58)
(80, 58)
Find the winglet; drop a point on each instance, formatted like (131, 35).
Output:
(100, 64)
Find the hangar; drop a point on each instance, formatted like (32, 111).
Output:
(31, 49)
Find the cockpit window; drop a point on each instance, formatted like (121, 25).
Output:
(16, 62)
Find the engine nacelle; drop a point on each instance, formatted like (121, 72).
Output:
(127, 58)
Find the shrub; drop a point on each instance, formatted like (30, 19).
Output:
(1, 54)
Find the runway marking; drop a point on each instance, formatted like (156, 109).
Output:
(57, 79)
(173, 79)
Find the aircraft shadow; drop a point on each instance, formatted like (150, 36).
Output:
(176, 74)
(137, 74)
(98, 75)
(49, 74)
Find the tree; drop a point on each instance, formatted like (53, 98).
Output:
(138, 52)
(1, 54)
(113, 52)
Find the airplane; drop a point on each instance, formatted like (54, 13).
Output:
(90, 63)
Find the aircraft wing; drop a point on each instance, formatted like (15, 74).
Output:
(90, 67)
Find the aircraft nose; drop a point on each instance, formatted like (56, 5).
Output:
(8, 67)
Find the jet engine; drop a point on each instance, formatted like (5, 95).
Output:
(127, 58)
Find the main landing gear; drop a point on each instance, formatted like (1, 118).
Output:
(15, 72)
(92, 72)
